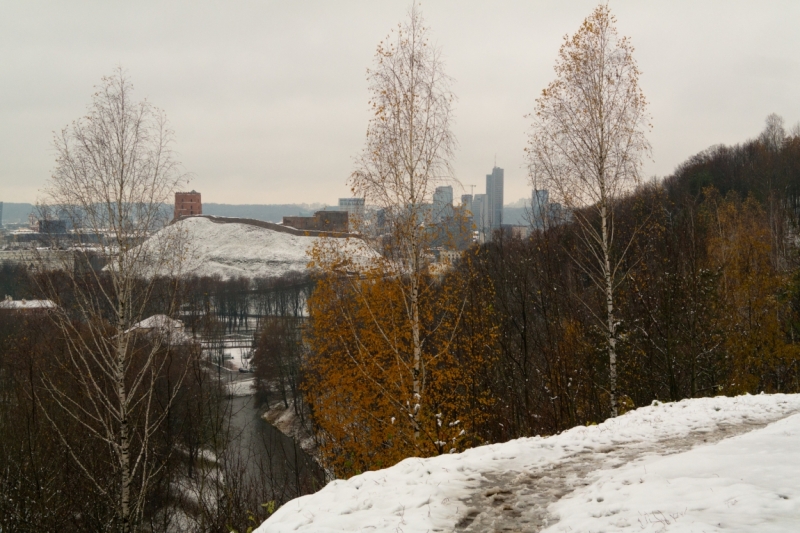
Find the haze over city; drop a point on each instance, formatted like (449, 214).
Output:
(269, 100)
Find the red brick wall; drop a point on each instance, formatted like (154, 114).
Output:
(187, 204)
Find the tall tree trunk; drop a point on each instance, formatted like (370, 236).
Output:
(124, 440)
(125, 465)
(415, 339)
(611, 326)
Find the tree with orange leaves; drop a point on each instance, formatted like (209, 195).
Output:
(384, 336)
(406, 155)
(761, 354)
(360, 379)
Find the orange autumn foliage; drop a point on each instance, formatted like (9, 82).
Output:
(740, 247)
(360, 371)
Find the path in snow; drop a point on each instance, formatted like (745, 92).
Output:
(517, 502)
(580, 478)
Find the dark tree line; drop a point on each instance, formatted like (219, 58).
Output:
(278, 361)
(43, 487)
(241, 304)
(708, 302)
(203, 452)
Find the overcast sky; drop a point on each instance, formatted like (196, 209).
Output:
(268, 99)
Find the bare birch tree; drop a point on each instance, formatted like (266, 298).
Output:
(406, 155)
(586, 146)
(114, 177)
(774, 133)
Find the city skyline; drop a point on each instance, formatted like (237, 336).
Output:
(269, 101)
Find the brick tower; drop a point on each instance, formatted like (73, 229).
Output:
(187, 204)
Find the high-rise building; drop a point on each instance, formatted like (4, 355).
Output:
(480, 214)
(494, 202)
(1, 214)
(442, 203)
(466, 203)
(187, 204)
(539, 207)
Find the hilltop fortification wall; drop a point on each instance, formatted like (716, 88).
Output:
(272, 226)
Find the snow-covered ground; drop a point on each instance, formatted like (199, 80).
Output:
(241, 357)
(710, 464)
(285, 420)
(236, 249)
(243, 387)
(746, 483)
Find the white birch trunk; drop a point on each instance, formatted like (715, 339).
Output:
(611, 337)
(113, 177)
(586, 145)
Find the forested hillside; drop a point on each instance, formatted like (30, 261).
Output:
(708, 304)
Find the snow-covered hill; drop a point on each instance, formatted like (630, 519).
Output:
(238, 249)
(711, 464)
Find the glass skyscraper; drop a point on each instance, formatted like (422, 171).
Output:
(494, 199)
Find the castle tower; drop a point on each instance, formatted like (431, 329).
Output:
(187, 204)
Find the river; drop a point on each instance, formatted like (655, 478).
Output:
(266, 460)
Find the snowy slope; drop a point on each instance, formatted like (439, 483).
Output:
(745, 483)
(708, 464)
(236, 249)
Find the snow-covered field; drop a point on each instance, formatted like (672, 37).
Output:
(710, 464)
(236, 249)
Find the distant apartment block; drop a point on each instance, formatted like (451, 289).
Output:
(321, 221)
(354, 206)
(51, 226)
(466, 203)
(545, 213)
(442, 203)
(480, 213)
(187, 204)
(539, 207)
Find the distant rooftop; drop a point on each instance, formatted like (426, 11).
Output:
(8, 303)
(158, 322)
